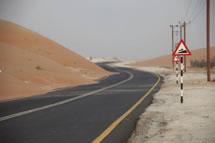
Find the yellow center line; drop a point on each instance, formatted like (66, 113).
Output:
(111, 127)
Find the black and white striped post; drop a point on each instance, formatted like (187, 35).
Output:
(182, 71)
(176, 71)
(181, 50)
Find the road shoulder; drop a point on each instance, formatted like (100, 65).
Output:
(167, 120)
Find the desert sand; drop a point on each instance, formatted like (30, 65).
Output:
(31, 64)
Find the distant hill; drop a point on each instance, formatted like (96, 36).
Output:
(165, 61)
(31, 64)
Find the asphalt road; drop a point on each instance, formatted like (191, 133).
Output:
(105, 112)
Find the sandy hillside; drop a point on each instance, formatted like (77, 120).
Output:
(31, 64)
(165, 61)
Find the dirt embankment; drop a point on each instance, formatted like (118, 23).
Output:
(31, 64)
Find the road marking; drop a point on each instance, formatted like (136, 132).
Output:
(125, 90)
(111, 127)
(131, 76)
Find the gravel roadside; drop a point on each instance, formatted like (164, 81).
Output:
(166, 120)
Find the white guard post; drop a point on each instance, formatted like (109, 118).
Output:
(181, 50)
(182, 70)
(176, 71)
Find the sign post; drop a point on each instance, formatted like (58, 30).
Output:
(176, 60)
(181, 51)
(182, 73)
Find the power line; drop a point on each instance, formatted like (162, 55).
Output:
(199, 12)
(195, 9)
(188, 8)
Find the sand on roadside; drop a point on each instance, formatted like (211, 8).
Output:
(166, 120)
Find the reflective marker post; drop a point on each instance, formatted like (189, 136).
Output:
(176, 71)
(176, 60)
(181, 51)
(182, 70)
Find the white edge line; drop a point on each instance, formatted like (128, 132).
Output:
(131, 76)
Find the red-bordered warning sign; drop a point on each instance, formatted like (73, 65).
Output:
(181, 49)
(176, 59)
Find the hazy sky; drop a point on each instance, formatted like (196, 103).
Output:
(128, 29)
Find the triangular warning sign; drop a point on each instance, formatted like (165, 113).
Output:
(176, 59)
(181, 49)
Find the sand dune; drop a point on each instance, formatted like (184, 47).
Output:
(21, 37)
(165, 61)
(31, 64)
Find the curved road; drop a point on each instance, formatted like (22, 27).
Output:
(103, 112)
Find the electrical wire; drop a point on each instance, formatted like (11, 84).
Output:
(188, 9)
(202, 6)
(194, 9)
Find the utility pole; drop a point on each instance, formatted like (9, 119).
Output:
(208, 39)
(180, 28)
(173, 43)
(185, 61)
(183, 25)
